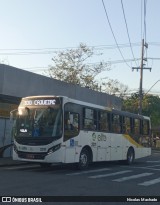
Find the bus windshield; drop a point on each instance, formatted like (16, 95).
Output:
(38, 122)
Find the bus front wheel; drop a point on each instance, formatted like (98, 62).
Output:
(130, 156)
(83, 159)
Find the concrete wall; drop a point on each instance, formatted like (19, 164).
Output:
(19, 83)
(16, 83)
(1, 78)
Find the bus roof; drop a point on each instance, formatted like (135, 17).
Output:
(67, 99)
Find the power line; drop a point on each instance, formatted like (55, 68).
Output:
(111, 62)
(141, 17)
(65, 48)
(145, 11)
(28, 53)
(36, 51)
(154, 43)
(128, 31)
(145, 27)
(113, 34)
(153, 58)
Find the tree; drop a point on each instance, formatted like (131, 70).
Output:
(150, 106)
(71, 66)
(114, 87)
(131, 103)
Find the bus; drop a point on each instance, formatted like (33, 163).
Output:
(58, 129)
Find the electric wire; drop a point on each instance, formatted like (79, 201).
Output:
(36, 51)
(38, 68)
(154, 43)
(113, 34)
(128, 32)
(145, 11)
(141, 16)
(145, 28)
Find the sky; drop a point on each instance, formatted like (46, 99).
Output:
(32, 30)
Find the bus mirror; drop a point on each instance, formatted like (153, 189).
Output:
(27, 110)
(13, 114)
(23, 111)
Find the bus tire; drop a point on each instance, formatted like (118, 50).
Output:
(130, 156)
(84, 159)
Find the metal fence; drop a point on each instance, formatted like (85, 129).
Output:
(5, 137)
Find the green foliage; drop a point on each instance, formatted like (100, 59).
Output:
(150, 106)
(71, 66)
(130, 104)
(114, 87)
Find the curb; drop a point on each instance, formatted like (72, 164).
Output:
(9, 162)
(155, 149)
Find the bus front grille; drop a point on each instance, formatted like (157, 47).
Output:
(29, 155)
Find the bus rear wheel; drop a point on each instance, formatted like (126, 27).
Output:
(130, 156)
(84, 159)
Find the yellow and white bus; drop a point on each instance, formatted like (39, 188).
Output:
(56, 129)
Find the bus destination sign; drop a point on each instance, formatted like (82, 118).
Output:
(40, 102)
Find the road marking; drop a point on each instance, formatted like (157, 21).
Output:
(145, 168)
(153, 161)
(158, 165)
(111, 174)
(150, 168)
(151, 182)
(132, 177)
(156, 153)
(89, 171)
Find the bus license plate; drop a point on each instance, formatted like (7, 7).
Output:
(30, 156)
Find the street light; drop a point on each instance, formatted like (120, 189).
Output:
(152, 87)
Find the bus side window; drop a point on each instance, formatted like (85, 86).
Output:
(71, 125)
(127, 125)
(145, 140)
(136, 126)
(145, 126)
(90, 119)
(116, 127)
(122, 124)
(103, 121)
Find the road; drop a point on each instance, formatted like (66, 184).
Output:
(101, 179)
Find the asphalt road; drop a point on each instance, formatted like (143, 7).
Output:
(101, 179)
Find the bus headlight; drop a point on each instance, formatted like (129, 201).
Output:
(54, 148)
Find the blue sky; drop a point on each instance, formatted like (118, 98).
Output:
(37, 24)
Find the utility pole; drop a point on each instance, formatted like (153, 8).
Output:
(141, 75)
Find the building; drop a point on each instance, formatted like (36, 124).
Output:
(16, 83)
